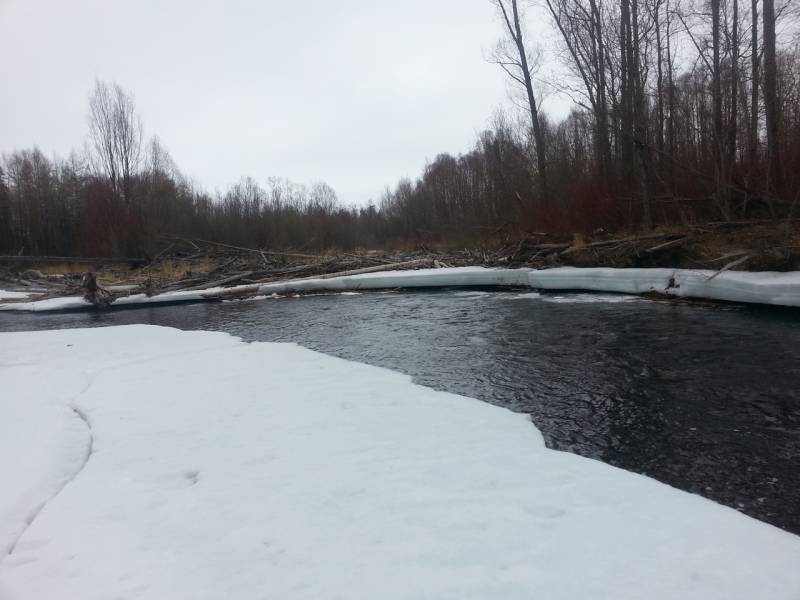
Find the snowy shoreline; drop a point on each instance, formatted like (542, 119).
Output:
(221, 469)
(770, 288)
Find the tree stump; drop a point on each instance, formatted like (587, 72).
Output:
(94, 293)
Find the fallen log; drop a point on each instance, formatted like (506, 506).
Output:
(732, 264)
(411, 264)
(640, 238)
(668, 244)
(218, 282)
(244, 291)
(258, 251)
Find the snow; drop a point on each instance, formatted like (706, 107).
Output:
(11, 295)
(628, 281)
(78, 303)
(781, 289)
(422, 278)
(219, 469)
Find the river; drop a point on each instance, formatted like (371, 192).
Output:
(704, 397)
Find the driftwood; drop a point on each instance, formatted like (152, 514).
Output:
(196, 264)
(730, 255)
(257, 250)
(412, 264)
(668, 244)
(244, 291)
(219, 282)
(94, 293)
(640, 238)
(732, 264)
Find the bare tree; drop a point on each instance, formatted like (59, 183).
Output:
(518, 63)
(115, 131)
(754, 85)
(716, 96)
(771, 95)
(586, 42)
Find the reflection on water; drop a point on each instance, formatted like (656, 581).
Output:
(704, 398)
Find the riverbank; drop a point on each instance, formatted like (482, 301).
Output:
(220, 465)
(777, 289)
(197, 270)
(194, 265)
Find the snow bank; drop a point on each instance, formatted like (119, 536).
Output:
(9, 295)
(762, 288)
(422, 278)
(782, 289)
(78, 303)
(221, 469)
(628, 281)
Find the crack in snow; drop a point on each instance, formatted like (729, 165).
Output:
(38, 510)
(193, 477)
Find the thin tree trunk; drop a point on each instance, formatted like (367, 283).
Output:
(771, 97)
(601, 106)
(716, 100)
(640, 118)
(659, 78)
(753, 137)
(626, 92)
(538, 136)
(671, 100)
(733, 124)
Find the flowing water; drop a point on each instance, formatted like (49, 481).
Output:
(703, 397)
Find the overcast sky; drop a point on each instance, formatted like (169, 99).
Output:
(357, 93)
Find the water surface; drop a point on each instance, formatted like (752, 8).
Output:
(702, 397)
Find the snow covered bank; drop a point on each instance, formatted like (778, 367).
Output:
(626, 281)
(782, 289)
(220, 469)
(78, 303)
(11, 295)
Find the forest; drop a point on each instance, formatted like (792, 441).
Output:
(685, 111)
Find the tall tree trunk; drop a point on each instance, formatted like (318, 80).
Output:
(626, 93)
(716, 101)
(671, 101)
(640, 118)
(754, 61)
(602, 148)
(659, 78)
(733, 121)
(771, 97)
(538, 136)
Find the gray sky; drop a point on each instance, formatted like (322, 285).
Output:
(357, 93)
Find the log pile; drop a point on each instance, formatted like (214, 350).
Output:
(195, 264)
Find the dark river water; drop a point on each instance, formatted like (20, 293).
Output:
(703, 397)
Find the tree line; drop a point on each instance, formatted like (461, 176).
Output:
(125, 196)
(685, 110)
